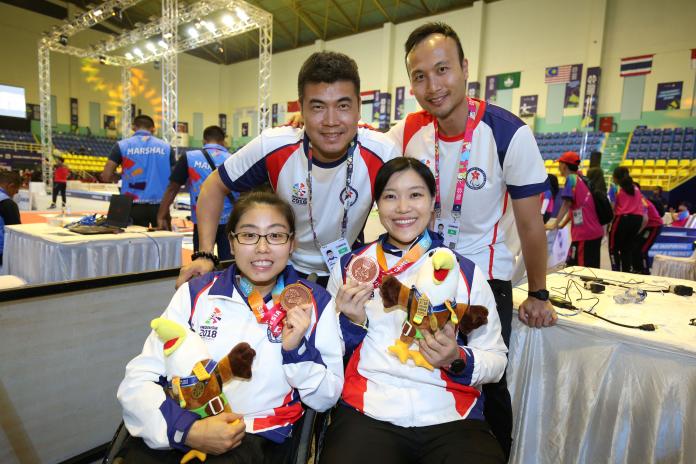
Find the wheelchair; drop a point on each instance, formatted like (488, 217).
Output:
(306, 451)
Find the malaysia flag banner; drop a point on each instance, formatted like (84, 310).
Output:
(557, 74)
(636, 65)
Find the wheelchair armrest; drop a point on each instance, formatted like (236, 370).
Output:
(114, 447)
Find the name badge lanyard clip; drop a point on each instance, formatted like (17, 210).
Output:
(346, 203)
(463, 164)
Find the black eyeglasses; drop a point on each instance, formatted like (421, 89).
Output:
(252, 238)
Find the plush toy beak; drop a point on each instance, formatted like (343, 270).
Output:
(443, 262)
(171, 334)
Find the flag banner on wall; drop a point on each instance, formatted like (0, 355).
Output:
(375, 107)
(636, 65)
(245, 129)
(491, 88)
(693, 58)
(399, 97)
(557, 74)
(589, 109)
(109, 122)
(384, 110)
(508, 80)
(222, 122)
(528, 105)
(33, 112)
(274, 115)
(473, 90)
(73, 113)
(572, 93)
(668, 96)
(293, 106)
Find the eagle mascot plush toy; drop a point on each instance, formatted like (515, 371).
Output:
(195, 380)
(429, 304)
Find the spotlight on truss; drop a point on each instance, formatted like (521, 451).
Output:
(129, 56)
(163, 44)
(63, 39)
(241, 14)
(138, 52)
(102, 59)
(193, 32)
(150, 46)
(228, 20)
(209, 26)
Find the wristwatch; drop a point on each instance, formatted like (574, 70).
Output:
(542, 294)
(457, 366)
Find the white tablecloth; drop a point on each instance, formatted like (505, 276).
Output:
(587, 391)
(42, 253)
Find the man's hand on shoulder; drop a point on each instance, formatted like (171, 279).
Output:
(194, 269)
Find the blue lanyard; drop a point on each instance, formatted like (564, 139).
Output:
(307, 145)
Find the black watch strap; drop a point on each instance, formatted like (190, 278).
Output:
(542, 294)
(206, 255)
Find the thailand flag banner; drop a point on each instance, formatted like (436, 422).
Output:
(636, 65)
(557, 74)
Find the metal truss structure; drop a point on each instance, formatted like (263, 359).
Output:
(162, 40)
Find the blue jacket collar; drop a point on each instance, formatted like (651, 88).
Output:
(214, 146)
(226, 283)
(391, 249)
(142, 132)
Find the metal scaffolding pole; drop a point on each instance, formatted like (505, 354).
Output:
(126, 117)
(264, 98)
(45, 103)
(170, 22)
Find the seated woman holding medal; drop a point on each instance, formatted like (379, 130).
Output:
(427, 407)
(297, 350)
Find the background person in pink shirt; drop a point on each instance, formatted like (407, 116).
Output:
(628, 221)
(647, 236)
(586, 232)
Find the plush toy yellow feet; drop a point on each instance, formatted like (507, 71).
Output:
(419, 359)
(400, 350)
(193, 454)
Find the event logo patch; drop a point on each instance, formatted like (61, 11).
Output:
(299, 193)
(209, 330)
(475, 178)
(349, 197)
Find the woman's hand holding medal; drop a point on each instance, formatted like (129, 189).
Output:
(296, 299)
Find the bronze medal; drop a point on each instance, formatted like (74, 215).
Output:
(363, 269)
(198, 390)
(295, 295)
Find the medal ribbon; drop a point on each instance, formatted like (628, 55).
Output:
(306, 143)
(463, 163)
(274, 316)
(406, 261)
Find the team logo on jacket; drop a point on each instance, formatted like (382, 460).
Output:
(209, 328)
(299, 193)
(475, 178)
(349, 197)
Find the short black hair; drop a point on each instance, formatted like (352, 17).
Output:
(399, 164)
(143, 121)
(327, 67)
(571, 166)
(10, 178)
(214, 134)
(423, 32)
(259, 196)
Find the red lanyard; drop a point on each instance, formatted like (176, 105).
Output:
(409, 258)
(463, 163)
(274, 316)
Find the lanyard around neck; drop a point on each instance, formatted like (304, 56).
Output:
(407, 260)
(264, 314)
(463, 163)
(307, 145)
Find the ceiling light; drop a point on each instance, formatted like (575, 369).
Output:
(138, 52)
(163, 44)
(241, 14)
(228, 20)
(98, 12)
(150, 46)
(193, 32)
(208, 25)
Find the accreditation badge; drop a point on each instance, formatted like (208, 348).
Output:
(448, 228)
(332, 252)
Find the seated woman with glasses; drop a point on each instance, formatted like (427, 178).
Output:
(413, 396)
(296, 342)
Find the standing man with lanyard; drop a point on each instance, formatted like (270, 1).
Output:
(325, 172)
(493, 154)
(192, 170)
(146, 162)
